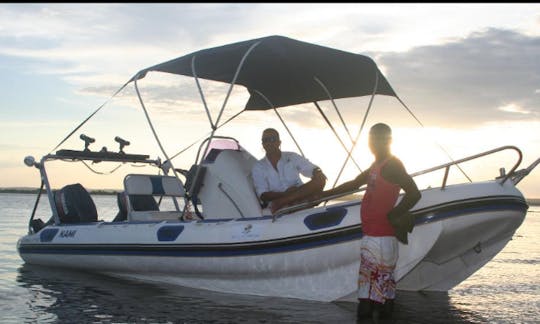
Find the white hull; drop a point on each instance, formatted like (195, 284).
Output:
(457, 232)
(474, 244)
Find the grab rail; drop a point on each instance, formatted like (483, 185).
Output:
(445, 166)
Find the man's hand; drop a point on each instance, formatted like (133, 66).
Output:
(402, 223)
(318, 176)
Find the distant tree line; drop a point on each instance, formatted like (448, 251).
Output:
(35, 190)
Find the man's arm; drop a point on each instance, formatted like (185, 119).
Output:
(395, 172)
(351, 185)
(269, 196)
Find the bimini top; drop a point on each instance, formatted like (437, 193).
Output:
(284, 70)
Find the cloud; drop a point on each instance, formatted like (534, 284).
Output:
(464, 81)
(513, 108)
(489, 75)
(467, 81)
(84, 43)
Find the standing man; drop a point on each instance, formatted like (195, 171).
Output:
(379, 246)
(277, 176)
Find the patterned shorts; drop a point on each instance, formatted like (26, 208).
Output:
(378, 258)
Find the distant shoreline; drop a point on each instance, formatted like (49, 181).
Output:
(535, 202)
(35, 190)
(530, 201)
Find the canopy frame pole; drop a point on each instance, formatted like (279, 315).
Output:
(335, 133)
(361, 126)
(232, 83)
(201, 92)
(168, 160)
(214, 127)
(30, 229)
(50, 193)
(281, 119)
(335, 106)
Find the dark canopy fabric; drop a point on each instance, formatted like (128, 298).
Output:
(283, 70)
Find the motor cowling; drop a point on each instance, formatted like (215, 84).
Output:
(74, 204)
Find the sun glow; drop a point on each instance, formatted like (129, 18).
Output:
(418, 148)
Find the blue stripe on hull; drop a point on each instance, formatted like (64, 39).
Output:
(308, 241)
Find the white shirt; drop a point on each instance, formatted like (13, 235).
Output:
(289, 167)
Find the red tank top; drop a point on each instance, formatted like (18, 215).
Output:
(379, 199)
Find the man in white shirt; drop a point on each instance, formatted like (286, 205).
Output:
(277, 176)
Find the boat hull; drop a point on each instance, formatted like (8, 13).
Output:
(310, 254)
(464, 246)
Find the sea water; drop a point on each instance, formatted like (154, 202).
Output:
(505, 290)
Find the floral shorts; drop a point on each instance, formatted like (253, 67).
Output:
(378, 258)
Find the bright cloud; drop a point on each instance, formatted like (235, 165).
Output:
(513, 108)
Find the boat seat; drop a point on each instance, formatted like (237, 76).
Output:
(227, 189)
(74, 204)
(139, 203)
(140, 190)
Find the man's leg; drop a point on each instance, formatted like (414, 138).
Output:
(363, 310)
(378, 257)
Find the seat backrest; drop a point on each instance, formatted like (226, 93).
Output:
(145, 184)
(138, 203)
(74, 204)
(227, 189)
(140, 190)
(143, 202)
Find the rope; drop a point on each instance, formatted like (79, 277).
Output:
(205, 136)
(439, 145)
(289, 131)
(98, 172)
(87, 118)
(270, 104)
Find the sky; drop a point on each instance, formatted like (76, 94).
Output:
(470, 73)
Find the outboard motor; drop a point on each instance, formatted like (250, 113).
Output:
(74, 204)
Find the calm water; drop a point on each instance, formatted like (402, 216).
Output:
(506, 290)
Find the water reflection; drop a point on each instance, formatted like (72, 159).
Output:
(59, 295)
(83, 297)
